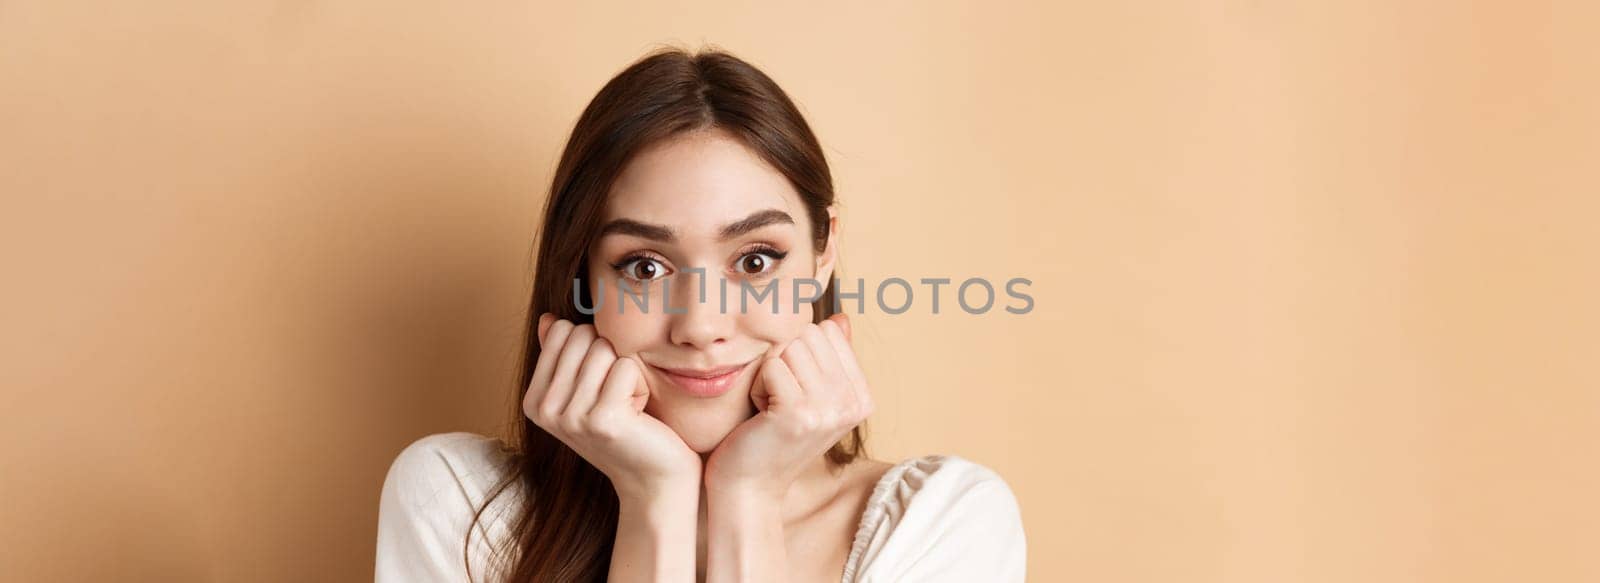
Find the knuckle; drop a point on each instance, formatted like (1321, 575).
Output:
(603, 428)
(573, 425)
(560, 329)
(622, 364)
(835, 419)
(808, 422)
(820, 424)
(582, 336)
(853, 416)
(603, 352)
(549, 413)
(544, 423)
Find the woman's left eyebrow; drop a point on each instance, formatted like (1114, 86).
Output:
(755, 221)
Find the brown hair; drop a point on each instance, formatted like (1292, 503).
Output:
(565, 527)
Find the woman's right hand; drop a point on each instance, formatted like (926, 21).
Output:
(593, 400)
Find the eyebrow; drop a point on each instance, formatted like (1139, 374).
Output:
(665, 234)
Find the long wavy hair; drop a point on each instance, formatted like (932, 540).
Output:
(565, 525)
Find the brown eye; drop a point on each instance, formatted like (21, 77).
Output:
(642, 269)
(758, 262)
(753, 263)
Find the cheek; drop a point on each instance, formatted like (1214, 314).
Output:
(632, 330)
(628, 332)
(781, 327)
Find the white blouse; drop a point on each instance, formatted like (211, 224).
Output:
(930, 518)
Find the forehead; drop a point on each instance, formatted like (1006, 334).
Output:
(697, 183)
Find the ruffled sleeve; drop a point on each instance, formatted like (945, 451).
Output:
(429, 497)
(939, 518)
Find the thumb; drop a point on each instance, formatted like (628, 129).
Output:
(758, 388)
(778, 385)
(641, 388)
(624, 384)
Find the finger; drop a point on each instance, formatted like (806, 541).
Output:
(562, 381)
(596, 365)
(544, 369)
(839, 337)
(621, 385)
(860, 394)
(545, 320)
(758, 388)
(821, 349)
(837, 390)
(781, 385)
(641, 388)
(803, 364)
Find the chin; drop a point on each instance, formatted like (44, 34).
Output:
(703, 423)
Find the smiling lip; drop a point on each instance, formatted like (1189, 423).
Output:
(703, 382)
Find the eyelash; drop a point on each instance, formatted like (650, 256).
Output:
(772, 253)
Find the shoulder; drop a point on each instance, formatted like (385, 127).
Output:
(936, 472)
(936, 517)
(941, 484)
(445, 461)
(433, 491)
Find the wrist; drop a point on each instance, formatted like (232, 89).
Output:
(744, 535)
(669, 493)
(666, 517)
(745, 487)
(744, 496)
(655, 538)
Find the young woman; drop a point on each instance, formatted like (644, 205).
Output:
(682, 431)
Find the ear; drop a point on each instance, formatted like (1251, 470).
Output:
(830, 254)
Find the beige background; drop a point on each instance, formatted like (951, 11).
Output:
(1315, 281)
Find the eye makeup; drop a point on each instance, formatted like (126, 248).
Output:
(621, 265)
(771, 258)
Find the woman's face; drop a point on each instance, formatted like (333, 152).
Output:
(703, 202)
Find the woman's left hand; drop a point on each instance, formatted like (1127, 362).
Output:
(809, 397)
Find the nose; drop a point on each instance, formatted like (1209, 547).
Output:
(701, 323)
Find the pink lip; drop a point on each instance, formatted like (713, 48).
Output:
(703, 383)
